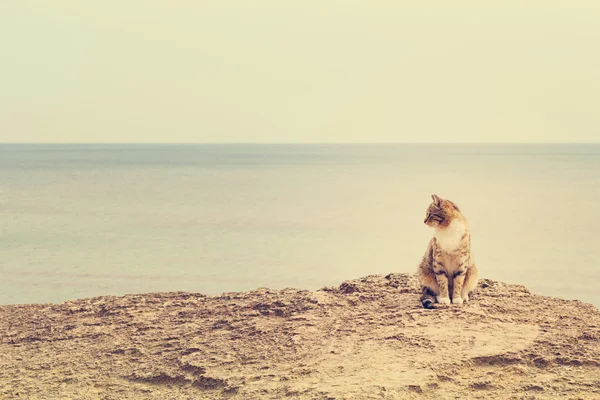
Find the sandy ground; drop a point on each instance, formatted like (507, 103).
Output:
(366, 339)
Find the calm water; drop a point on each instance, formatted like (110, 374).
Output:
(79, 221)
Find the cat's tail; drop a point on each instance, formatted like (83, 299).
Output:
(427, 298)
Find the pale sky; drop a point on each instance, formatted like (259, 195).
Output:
(300, 71)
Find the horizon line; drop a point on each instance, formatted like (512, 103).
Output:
(293, 143)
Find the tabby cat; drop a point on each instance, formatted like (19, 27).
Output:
(447, 272)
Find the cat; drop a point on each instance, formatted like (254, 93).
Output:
(447, 272)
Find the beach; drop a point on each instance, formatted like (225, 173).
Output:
(363, 339)
(233, 200)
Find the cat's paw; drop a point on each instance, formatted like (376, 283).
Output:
(465, 298)
(443, 300)
(457, 300)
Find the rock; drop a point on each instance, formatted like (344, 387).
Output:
(367, 338)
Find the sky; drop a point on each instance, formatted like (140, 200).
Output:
(199, 71)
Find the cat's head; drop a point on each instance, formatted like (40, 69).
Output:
(441, 212)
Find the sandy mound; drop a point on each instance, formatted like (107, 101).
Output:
(366, 339)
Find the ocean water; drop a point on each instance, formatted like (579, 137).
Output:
(86, 220)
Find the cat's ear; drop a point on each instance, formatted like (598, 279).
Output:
(436, 199)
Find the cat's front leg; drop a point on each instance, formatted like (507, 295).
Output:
(442, 281)
(459, 279)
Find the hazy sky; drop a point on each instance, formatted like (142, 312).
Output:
(300, 71)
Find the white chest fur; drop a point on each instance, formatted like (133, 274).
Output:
(449, 238)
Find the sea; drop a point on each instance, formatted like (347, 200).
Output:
(78, 221)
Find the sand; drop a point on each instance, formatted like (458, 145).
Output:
(366, 339)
